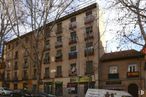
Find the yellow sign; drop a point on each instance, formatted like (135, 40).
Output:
(81, 79)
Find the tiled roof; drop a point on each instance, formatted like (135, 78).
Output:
(127, 54)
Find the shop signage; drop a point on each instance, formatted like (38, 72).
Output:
(80, 79)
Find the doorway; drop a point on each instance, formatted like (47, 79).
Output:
(133, 90)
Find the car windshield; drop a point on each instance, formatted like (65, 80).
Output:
(5, 88)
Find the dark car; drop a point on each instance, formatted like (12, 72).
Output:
(42, 94)
(21, 93)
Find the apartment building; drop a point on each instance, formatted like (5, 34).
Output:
(70, 61)
(123, 70)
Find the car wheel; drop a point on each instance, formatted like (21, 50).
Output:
(3, 93)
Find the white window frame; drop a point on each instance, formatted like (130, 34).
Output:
(113, 69)
(132, 67)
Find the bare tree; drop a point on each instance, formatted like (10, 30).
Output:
(35, 16)
(130, 18)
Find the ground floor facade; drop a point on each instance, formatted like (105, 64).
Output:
(135, 87)
(62, 87)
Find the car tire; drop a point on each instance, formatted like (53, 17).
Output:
(3, 93)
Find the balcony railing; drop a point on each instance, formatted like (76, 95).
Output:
(91, 72)
(133, 74)
(47, 47)
(88, 36)
(25, 66)
(72, 25)
(46, 60)
(113, 76)
(46, 76)
(72, 40)
(25, 78)
(58, 44)
(89, 19)
(89, 51)
(15, 79)
(2, 66)
(34, 77)
(73, 55)
(59, 30)
(72, 73)
(58, 58)
(58, 75)
(15, 67)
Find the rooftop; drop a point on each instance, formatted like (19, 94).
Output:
(127, 54)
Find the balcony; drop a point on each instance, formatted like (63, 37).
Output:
(15, 67)
(25, 66)
(34, 77)
(72, 41)
(46, 76)
(89, 51)
(58, 58)
(25, 77)
(71, 73)
(47, 47)
(59, 30)
(15, 79)
(113, 76)
(89, 72)
(72, 54)
(73, 25)
(8, 78)
(58, 75)
(88, 36)
(58, 44)
(2, 66)
(47, 61)
(133, 74)
(89, 19)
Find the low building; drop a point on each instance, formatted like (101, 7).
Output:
(123, 70)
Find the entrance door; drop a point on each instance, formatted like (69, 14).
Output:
(133, 90)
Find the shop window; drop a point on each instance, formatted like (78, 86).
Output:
(59, 89)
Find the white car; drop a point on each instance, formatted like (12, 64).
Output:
(5, 91)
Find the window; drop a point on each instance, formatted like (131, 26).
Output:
(89, 30)
(59, 53)
(47, 58)
(16, 55)
(59, 28)
(132, 68)
(89, 45)
(89, 13)
(25, 74)
(47, 44)
(113, 69)
(59, 38)
(15, 76)
(73, 69)
(47, 72)
(59, 71)
(34, 73)
(25, 63)
(89, 67)
(73, 19)
(73, 48)
(16, 65)
(73, 35)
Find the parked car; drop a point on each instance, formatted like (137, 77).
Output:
(5, 91)
(21, 93)
(42, 94)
